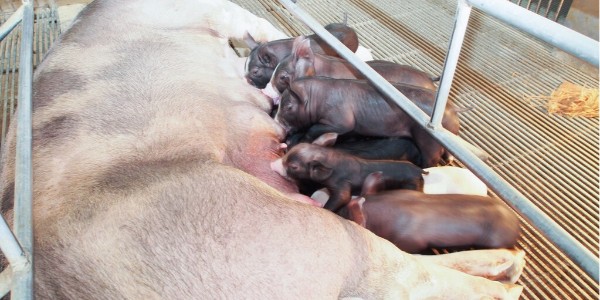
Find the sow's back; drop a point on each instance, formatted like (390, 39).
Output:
(151, 172)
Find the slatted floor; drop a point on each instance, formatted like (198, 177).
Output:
(552, 160)
(46, 30)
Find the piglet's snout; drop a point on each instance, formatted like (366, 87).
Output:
(277, 166)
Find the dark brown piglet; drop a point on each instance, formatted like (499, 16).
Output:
(368, 148)
(414, 221)
(375, 148)
(264, 57)
(341, 173)
(322, 105)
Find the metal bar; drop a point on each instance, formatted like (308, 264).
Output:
(9, 245)
(559, 10)
(548, 31)
(10, 24)
(570, 246)
(461, 21)
(546, 15)
(537, 7)
(5, 281)
(529, 4)
(22, 287)
(5, 65)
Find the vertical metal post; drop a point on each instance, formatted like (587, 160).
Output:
(463, 12)
(22, 287)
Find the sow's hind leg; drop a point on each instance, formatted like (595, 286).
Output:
(505, 265)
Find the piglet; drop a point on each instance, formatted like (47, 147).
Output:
(368, 147)
(346, 106)
(264, 57)
(305, 62)
(415, 221)
(342, 173)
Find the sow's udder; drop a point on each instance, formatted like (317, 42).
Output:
(277, 166)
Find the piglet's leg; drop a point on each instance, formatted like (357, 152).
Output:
(504, 265)
(340, 197)
(355, 211)
(431, 150)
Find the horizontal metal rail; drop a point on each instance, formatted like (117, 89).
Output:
(569, 245)
(548, 31)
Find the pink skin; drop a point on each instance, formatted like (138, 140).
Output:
(277, 166)
(304, 199)
(272, 93)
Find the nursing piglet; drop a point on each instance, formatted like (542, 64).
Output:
(372, 147)
(369, 148)
(342, 173)
(264, 57)
(415, 221)
(304, 62)
(322, 105)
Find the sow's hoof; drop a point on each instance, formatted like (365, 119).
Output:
(504, 265)
(514, 290)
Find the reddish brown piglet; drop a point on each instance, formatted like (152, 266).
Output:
(414, 221)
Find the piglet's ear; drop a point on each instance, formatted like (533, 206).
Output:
(249, 40)
(319, 172)
(301, 48)
(326, 139)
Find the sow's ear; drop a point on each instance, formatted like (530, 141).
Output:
(319, 172)
(326, 139)
(250, 42)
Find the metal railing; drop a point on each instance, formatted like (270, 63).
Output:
(549, 31)
(18, 247)
(555, 10)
